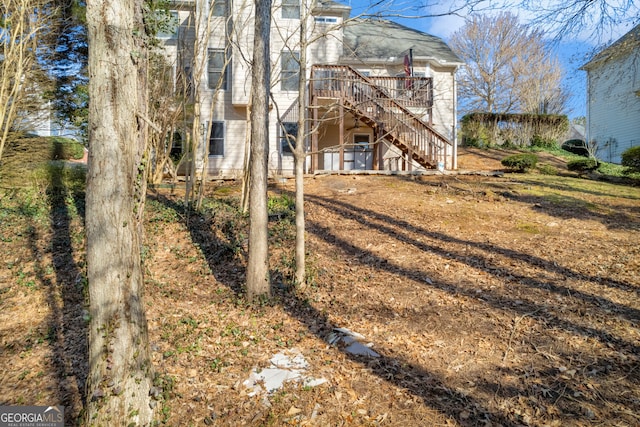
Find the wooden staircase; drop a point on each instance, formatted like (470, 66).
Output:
(380, 108)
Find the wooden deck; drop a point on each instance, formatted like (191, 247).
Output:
(385, 105)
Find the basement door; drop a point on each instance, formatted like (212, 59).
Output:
(360, 155)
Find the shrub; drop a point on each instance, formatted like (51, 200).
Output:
(538, 141)
(472, 142)
(520, 162)
(583, 165)
(547, 169)
(576, 146)
(631, 159)
(65, 148)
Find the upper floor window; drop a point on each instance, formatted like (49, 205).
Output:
(216, 139)
(288, 135)
(290, 70)
(325, 20)
(291, 9)
(219, 8)
(217, 69)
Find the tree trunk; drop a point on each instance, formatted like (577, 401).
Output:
(299, 153)
(246, 171)
(258, 282)
(120, 374)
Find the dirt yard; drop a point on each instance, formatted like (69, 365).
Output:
(484, 300)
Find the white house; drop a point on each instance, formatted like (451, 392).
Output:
(613, 97)
(381, 96)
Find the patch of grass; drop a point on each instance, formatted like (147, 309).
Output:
(546, 169)
(281, 203)
(604, 168)
(612, 169)
(27, 159)
(528, 228)
(224, 190)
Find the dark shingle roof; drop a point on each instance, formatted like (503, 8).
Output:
(372, 38)
(623, 45)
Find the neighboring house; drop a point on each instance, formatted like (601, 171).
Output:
(381, 96)
(40, 121)
(613, 97)
(575, 131)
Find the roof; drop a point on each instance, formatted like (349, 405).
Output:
(370, 39)
(330, 5)
(624, 45)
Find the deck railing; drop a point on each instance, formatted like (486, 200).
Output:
(378, 106)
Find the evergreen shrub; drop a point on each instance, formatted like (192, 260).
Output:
(583, 165)
(631, 159)
(520, 162)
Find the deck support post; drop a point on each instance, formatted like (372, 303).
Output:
(341, 113)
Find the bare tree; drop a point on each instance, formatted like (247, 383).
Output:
(120, 370)
(296, 141)
(196, 147)
(596, 19)
(593, 19)
(166, 108)
(540, 90)
(509, 68)
(299, 154)
(21, 21)
(258, 282)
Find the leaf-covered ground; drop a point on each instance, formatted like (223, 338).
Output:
(489, 301)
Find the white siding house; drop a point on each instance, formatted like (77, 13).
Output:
(613, 97)
(399, 119)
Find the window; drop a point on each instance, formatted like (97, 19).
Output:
(325, 20)
(176, 147)
(289, 129)
(291, 9)
(290, 74)
(167, 25)
(216, 69)
(216, 139)
(219, 8)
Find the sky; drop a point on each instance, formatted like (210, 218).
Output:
(573, 50)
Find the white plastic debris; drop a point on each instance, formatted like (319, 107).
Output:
(285, 366)
(351, 342)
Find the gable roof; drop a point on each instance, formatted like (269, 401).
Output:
(623, 45)
(376, 39)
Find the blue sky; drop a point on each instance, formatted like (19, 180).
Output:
(573, 51)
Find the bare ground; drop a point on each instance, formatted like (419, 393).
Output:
(490, 301)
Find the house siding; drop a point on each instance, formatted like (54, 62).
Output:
(231, 105)
(613, 109)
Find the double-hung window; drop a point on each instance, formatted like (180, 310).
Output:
(290, 70)
(217, 69)
(288, 135)
(291, 9)
(216, 139)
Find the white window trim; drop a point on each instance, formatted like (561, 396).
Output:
(224, 138)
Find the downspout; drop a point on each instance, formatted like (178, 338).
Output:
(587, 131)
(411, 62)
(455, 120)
